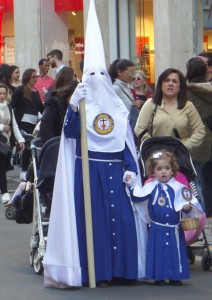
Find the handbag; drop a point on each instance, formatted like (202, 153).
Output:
(24, 207)
(4, 149)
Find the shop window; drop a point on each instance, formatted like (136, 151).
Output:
(74, 11)
(6, 6)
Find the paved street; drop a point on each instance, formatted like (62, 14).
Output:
(18, 280)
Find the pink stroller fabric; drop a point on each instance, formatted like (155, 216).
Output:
(192, 235)
(179, 177)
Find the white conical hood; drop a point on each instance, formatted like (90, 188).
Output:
(106, 115)
(94, 50)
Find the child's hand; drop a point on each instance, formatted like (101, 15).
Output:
(186, 207)
(130, 179)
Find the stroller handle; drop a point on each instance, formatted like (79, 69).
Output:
(176, 133)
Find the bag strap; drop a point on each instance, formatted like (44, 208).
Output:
(11, 115)
(153, 116)
(124, 91)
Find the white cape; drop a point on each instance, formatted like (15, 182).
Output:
(61, 261)
(177, 187)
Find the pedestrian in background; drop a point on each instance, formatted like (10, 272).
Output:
(27, 106)
(169, 109)
(122, 72)
(56, 105)
(55, 58)
(8, 127)
(139, 87)
(15, 77)
(200, 94)
(44, 82)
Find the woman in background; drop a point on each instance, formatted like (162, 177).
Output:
(56, 104)
(173, 111)
(27, 106)
(122, 72)
(8, 126)
(15, 77)
(139, 87)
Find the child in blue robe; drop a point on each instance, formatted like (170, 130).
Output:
(166, 250)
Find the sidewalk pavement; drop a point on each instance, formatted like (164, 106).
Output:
(13, 179)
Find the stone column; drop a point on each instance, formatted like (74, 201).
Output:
(27, 33)
(176, 33)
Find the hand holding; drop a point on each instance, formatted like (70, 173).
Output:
(186, 207)
(130, 179)
(22, 146)
(78, 95)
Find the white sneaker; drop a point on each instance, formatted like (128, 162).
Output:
(5, 198)
(23, 176)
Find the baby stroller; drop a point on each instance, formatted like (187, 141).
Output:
(175, 146)
(44, 166)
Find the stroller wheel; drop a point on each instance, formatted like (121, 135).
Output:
(10, 213)
(31, 256)
(191, 256)
(206, 262)
(38, 263)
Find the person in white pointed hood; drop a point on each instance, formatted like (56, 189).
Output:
(119, 249)
(166, 252)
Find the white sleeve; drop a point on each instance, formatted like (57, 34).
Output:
(16, 130)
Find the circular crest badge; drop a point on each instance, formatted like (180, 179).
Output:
(103, 124)
(186, 194)
(161, 201)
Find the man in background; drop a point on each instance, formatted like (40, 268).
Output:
(55, 58)
(207, 58)
(44, 81)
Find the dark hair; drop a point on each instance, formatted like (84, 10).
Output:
(63, 80)
(119, 65)
(5, 74)
(26, 77)
(182, 96)
(151, 162)
(57, 53)
(13, 68)
(196, 70)
(207, 55)
(42, 61)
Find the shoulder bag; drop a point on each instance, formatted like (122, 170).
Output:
(4, 147)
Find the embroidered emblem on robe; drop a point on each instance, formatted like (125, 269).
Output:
(103, 124)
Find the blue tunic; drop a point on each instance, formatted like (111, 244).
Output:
(114, 230)
(166, 250)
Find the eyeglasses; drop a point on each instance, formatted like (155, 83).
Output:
(137, 78)
(35, 76)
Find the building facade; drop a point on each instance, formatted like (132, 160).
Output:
(155, 34)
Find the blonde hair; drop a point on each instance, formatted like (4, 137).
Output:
(143, 75)
(152, 161)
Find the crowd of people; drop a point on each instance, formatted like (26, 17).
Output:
(180, 106)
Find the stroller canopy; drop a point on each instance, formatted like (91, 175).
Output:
(47, 164)
(172, 145)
